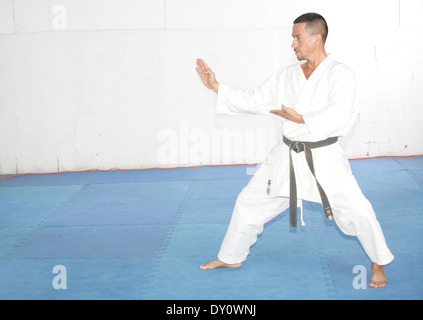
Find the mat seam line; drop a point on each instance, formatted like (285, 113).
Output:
(9, 253)
(321, 251)
(409, 172)
(166, 241)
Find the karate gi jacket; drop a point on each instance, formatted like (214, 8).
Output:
(326, 102)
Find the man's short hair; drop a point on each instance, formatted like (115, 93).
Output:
(315, 23)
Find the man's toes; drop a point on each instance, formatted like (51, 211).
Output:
(205, 266)
(377, 284)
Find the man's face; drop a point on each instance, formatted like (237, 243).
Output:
(303, 42)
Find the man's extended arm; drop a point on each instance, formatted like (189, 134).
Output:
(232, 100)
(208, 77)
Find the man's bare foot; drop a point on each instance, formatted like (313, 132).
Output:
(219, 264)
(378, 276)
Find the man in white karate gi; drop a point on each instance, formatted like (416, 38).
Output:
(315, 102)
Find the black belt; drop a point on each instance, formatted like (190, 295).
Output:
(299, 146)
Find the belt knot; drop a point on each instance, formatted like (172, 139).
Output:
(297, 146)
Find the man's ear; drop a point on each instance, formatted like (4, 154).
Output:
(318, 37)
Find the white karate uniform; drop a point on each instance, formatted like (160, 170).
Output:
(326, 102)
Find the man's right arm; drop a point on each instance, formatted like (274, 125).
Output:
(232, 100)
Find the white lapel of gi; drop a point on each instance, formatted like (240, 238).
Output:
(309, 88)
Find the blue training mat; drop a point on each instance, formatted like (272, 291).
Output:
(143, 234)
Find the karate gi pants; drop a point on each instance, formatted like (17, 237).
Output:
(352, 212)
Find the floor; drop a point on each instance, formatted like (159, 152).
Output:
(141, 234)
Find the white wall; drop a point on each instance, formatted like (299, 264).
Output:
(112, 83)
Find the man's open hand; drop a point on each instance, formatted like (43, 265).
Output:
(289, 114)
(206, 75)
